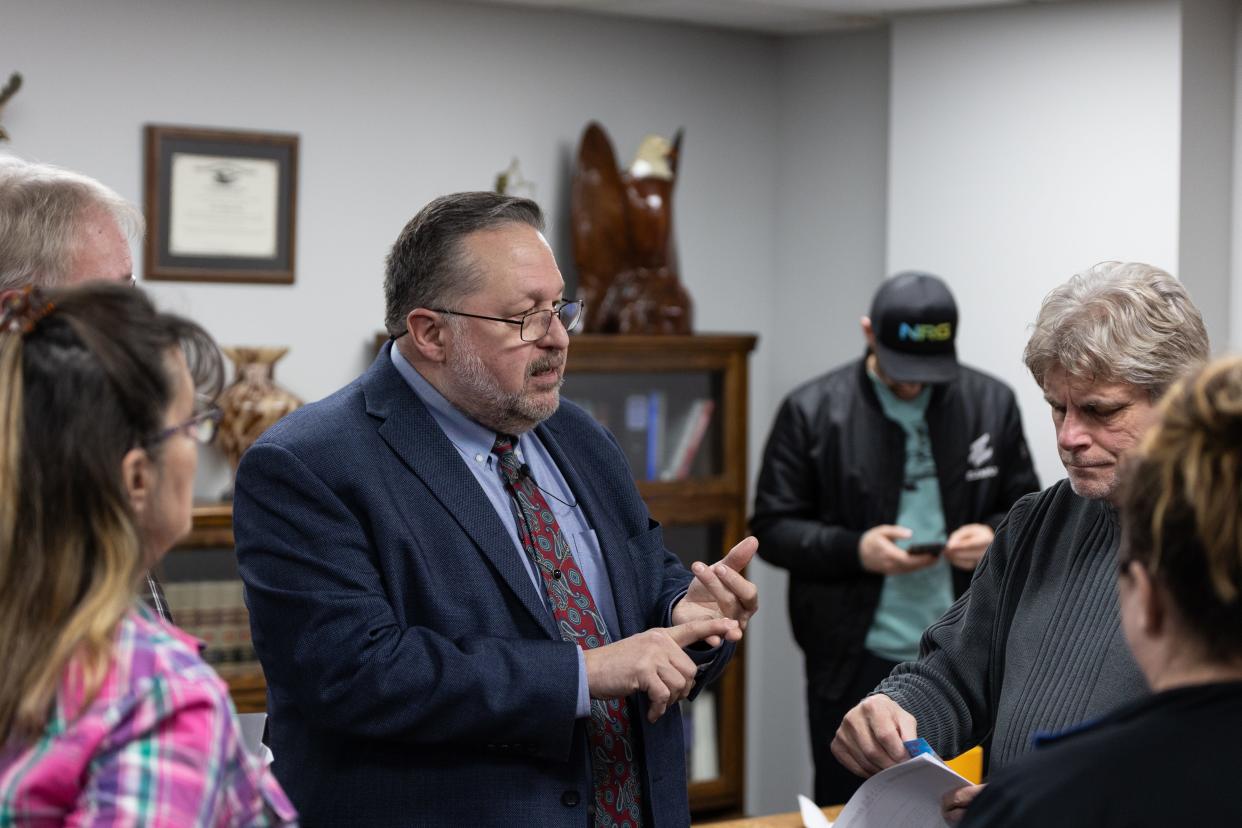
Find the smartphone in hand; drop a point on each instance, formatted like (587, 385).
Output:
(925, 548)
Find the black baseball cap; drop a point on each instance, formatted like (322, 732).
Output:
(914, 319)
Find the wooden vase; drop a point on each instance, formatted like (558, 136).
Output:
(253, 402)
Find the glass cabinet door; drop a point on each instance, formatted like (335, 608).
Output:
(668, 423)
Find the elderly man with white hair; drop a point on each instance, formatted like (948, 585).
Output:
(60, 228)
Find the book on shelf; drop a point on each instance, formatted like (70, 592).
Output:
(656, 426)
(634, 437)
(704, 746)
(689, 439)
(215, 613)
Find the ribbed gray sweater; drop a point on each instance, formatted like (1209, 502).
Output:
(1035, 644)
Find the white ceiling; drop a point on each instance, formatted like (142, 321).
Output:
(781, 17)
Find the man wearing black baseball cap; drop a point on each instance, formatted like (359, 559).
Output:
(912, 329)
(882, 484)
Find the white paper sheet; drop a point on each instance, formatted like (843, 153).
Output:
(907, 795)
(812, 814)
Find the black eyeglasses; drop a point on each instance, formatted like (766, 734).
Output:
(536, 324)
(201, 428)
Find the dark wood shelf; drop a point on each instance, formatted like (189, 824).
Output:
(249, 692)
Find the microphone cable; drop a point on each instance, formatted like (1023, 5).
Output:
(524, 471)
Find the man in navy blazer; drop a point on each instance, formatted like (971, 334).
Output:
(418, 670)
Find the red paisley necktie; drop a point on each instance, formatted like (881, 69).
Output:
(614, 766)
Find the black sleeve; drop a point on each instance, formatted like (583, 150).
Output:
(993, 809)
(792, 532)
(1031, 794)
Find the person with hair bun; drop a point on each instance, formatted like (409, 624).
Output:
(108, 716)
(1172, 758)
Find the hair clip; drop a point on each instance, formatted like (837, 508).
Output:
(23, 310)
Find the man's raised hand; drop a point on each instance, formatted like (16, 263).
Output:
(721, 591)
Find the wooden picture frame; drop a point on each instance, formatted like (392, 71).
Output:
(221, 205)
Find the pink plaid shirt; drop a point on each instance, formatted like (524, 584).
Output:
(159, 746)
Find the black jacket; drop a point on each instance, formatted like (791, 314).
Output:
(1169, 759)
(833, 468)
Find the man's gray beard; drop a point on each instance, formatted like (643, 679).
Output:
(487, 403)
(1094, 495)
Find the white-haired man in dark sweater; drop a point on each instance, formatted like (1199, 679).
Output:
(1036, 645)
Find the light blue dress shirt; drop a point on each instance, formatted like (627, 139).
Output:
(912, 602)
(474, 443)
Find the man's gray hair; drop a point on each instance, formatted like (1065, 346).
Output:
(427, 267)
(43, 210)
(1118, 322)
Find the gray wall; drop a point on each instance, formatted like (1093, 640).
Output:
(1023, 151)
(1207, 147)
(1235, 220)
(830, 219)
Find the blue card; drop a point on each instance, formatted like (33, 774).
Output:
(917, 746)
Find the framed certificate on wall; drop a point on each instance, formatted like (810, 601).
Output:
(221, 205)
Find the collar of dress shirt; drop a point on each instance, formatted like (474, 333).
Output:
(469, 437)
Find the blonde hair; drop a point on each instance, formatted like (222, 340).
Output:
(1181, 504)
(1118, 321)
(82, 387)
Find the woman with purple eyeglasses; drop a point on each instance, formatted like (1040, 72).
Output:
(108, 715)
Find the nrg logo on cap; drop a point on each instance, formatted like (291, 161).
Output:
(925, 332)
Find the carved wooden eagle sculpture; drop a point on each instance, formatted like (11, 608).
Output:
(9, 90)
(623, 237)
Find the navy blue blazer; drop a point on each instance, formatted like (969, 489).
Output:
(414, 675)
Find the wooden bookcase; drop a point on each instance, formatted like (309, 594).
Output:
(702, 506)
(206, 555)
(649, 390)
